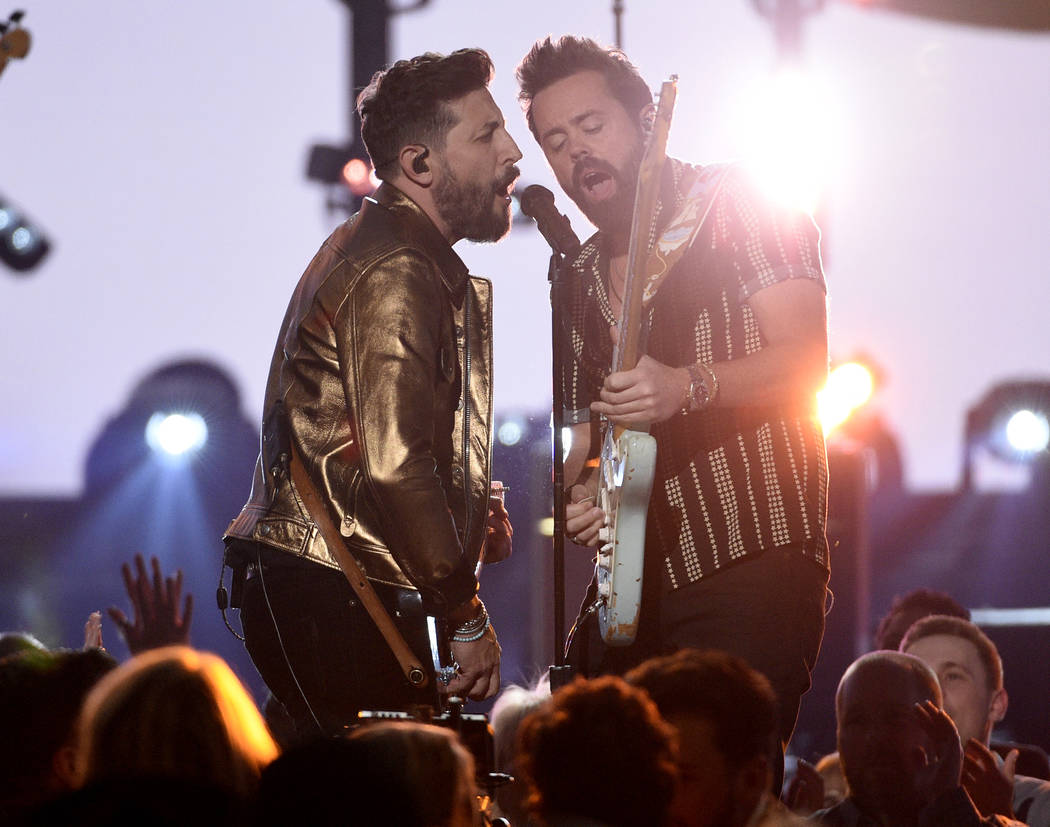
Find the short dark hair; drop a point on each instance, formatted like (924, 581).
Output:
(738, 702)
(599, 749)
(549, 61)
(408, 102)
(965, 629)
(916, 604)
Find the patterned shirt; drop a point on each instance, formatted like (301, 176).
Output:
(730, 482)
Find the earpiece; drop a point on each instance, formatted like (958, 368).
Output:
(419, 163)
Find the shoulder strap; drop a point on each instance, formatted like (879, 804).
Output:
(676, 240)
(410, 665)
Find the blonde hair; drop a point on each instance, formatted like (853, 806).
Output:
(174, 712)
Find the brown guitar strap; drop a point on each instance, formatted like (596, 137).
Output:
(315, 506)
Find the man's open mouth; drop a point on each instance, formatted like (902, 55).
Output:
(597, 184)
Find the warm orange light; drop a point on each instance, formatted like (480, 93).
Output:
(358, 176)
(849, 386)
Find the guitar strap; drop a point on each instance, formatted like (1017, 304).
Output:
(676, 240)
(315, 507)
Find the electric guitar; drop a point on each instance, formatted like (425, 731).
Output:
(14, 42)
(628, 458)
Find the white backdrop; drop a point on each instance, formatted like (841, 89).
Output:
(162, 145)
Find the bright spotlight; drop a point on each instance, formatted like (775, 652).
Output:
(510, 432)
(849, 386)
(1007, 430)
(176, 434)
(789, 132)
(1028, 432)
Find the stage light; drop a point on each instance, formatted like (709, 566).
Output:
(176, 434)
(510, 432)
(1010, 425)
(22, 244)
(849, 386)
(789, 131)
(1028, 432)
(359, 176)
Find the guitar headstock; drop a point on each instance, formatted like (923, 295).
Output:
(14, 40)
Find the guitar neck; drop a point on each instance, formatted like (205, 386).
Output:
(628, 347)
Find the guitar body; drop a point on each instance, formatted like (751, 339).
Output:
(628, 464)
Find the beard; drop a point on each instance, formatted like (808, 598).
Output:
(471, 209)
(612, 215)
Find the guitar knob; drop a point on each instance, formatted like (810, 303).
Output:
(603, 590)
(604, 534)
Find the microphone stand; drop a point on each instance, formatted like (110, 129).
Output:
(560, 672)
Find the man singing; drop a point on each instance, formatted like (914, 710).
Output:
(380, 385)
(735, 555)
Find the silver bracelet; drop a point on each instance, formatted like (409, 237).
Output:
(460, 637)
(479, 621)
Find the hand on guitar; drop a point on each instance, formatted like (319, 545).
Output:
(582, 517)
(478, 675)
(650, 392)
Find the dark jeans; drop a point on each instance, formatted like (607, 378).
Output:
(768, 610)
(320, 653)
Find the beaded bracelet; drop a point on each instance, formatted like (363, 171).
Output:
(458, 637)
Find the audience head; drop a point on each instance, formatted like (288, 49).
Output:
(905, 610)
(599, 750)
(882, 743)
(725, 715)
(11, 643)
(398, 774)
(969, 669)
(41, 693)
(510, 709)
(424, 768)
(178, 713)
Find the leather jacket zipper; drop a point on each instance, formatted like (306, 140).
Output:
(466, 419)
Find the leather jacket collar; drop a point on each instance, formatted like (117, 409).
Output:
(453, 271)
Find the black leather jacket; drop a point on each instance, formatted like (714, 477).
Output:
(382, 377)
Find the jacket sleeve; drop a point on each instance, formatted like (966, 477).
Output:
(390, 343)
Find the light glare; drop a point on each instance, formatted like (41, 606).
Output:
(1028, 432)
(849, 386)
(176, 434)
(510, 432)
(21, 239)
(789, 131)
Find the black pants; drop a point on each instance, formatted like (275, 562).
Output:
(320, 653)
(768, 610)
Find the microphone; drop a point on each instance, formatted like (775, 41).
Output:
(538, 204)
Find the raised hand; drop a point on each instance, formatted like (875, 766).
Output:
(990, 787)
(805, 794)
(93, 631)
(155, 609)
(943, 761)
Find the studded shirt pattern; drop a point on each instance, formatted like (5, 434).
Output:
(730, 482)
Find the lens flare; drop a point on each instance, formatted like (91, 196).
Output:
(176, 434)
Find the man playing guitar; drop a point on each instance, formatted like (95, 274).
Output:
(735, 348)
(377, 428)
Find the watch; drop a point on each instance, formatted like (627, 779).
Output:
(700, 395)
